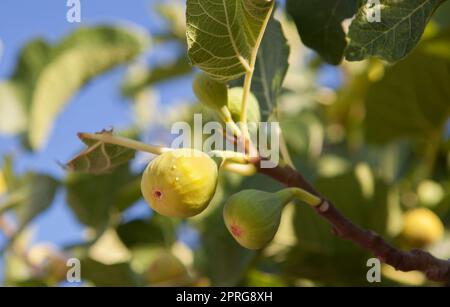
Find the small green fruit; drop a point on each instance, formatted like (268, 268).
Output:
(180, 183)
(235, 103)
(210, 92)
(421, 227)
(252, 217)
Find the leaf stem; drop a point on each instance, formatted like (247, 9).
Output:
(249, 74)
(124, 142)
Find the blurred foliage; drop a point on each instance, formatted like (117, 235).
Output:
(375, 141)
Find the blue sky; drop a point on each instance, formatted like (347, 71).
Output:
(98, 105)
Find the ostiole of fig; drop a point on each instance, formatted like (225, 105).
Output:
(180, 183)
(253, 217)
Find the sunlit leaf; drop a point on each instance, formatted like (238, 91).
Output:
(222, 35)
(140, 78)
(13, 116)
(81, 56)
(398, 31)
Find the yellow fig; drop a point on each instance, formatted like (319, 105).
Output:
(235, 103)
(421, 227)
(210, 92)
(180, 183)
(167, 269)
(253, 217)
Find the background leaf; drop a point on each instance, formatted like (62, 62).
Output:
(79, 57)
(401, 27)
(412, 100)
(319, 25)
(271, 67)
(92, 198)
(320, 255)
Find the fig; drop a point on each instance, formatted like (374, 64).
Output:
(167, 269)
(210, 92)
(253, 217)
(180, 183)
(421, 227)
(235, 103)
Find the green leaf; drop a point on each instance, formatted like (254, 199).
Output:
(92, 197)
(80, 57)
(13, 117)
(411, 101)
(30, 196)
(221, 258)
(441, 15)
(15, 94)
(41, 190)
(157, 231)
(224, 35)
(438, 45)
(32, 59)
(138, 78)
(271, 67)
(103, 275)
(319, 25)
(100, 157)
(399, 31)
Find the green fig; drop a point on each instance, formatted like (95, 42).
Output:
(210, 92)
(235, 104)
(252, 217)
(167, 269)
(180, 183)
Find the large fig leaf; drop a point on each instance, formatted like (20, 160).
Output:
(398, 31)
(222, 35)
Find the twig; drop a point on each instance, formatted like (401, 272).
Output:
(415, 260)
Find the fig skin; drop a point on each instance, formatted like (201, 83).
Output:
(253, 217)
(180, 183)
(210, 92)
(421, 227)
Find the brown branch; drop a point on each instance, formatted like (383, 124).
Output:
(435, 269)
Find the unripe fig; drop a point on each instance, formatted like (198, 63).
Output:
(235, 103)
(180, 183)
(210, 92)
(167, 269)
(252, 217)
(421, 227)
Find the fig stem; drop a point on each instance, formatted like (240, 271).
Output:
(241, 169)
(304, 196)
(125, 142)
(231, 156)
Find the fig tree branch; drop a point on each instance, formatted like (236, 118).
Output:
(435, 269)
